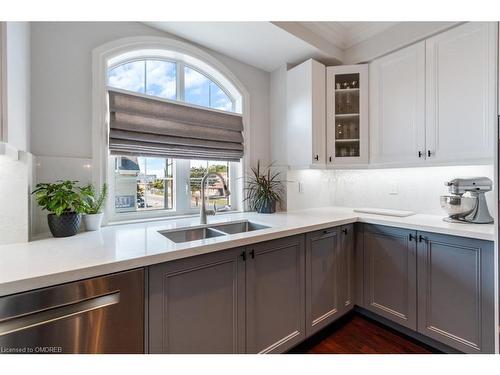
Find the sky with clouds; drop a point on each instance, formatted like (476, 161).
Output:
(158, 78)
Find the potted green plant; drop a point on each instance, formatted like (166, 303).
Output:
(264, 189)
(63, 199)
(93, 205)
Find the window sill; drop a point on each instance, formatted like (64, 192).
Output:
(163, 218)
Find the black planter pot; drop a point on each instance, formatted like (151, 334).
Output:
(65, 225)
(268, 208)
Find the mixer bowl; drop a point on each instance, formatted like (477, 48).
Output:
(458, 205)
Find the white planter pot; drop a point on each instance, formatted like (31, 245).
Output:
(93, 221)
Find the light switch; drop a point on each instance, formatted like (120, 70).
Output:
(394, 189)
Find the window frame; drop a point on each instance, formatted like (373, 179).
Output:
(181, 193)
(155, 47)
(181, 185)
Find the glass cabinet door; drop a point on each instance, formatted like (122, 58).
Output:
(347, 114)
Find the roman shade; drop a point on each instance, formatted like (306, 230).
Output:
(145, 126)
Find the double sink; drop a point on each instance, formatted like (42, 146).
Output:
(211, 231)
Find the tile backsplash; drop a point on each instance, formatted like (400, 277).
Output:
(14, 201)
(415, 189)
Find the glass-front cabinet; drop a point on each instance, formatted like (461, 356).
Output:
(347, 114)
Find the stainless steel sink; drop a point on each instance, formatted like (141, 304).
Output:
(239, 227)
(186, 235)
(209, 231)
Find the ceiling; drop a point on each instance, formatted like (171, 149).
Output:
(260, 44)
(347, 34)
(269, 45)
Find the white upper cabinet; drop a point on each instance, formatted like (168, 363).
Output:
(306, 127)
(460, 93)
(397, 107)
(347, 114)
(434, 102)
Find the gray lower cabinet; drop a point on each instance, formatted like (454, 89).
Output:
(346, 268)
(455, 291)
(275, 295)
(329, 276)
(268, 297)
(322, 295)
(197, 304)
(390, 267)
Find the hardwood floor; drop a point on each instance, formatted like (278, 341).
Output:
(356, 334)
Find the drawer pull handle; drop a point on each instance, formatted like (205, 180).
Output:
(38, 318)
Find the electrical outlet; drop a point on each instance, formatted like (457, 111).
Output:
(301, 187)
(394, 189)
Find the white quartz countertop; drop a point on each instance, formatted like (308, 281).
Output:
(41, 263)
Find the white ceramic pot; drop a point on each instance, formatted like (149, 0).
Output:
(93, 221)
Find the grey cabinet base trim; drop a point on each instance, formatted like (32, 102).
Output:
(408, 332)
(283, 341)
(325, 316)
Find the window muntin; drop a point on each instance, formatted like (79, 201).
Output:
(161, 79)
(200, 90)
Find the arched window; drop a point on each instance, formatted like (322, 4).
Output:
(154, 186)
(170, 80)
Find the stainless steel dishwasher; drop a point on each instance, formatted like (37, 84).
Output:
(100, 315)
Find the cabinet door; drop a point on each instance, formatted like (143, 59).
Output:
(397, 106)
(460, 93)
(196, 305)
(306, 127)
(455, 291)
(347, 114)
(275, 295)
(390, 273)
(345, 267)
(322, 279)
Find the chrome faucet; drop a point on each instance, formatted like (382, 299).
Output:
(203, 210)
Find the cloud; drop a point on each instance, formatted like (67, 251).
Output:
(161, 78)
(128, 76)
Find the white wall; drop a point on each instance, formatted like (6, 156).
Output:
(15, 175)
(62, 104)
(415, 189)
(61, 86)
(17, 61)
(278, 116)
